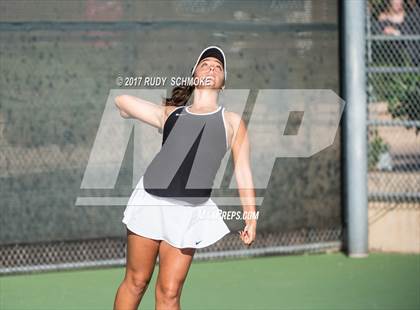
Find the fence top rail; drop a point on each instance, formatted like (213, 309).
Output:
(134, 25)
(393, 69)
(384, 37)
(380, 122)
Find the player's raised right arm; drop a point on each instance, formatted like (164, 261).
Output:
(143, 110)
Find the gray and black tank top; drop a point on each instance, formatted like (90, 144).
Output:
(193, 147)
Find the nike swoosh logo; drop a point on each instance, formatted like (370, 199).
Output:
(198, 242)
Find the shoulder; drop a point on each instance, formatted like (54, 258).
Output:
(167, 111)
(234, 119)
(236, 123)
(170, 108)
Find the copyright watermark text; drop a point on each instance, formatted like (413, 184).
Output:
(159, 81)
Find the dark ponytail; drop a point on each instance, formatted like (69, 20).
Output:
(180, 95)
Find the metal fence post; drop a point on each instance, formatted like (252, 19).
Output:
(354, 126)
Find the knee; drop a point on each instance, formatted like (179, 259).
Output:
(137, 283)
(168, 291)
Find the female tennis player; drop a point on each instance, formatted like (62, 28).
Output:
(164, 215)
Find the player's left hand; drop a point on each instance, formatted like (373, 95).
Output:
(249, 233)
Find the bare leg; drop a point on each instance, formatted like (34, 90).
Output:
(174, 264)
(141, 259)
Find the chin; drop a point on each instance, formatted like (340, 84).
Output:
(212, 86)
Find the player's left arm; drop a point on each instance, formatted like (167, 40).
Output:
(242, 169)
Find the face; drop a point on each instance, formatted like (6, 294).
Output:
(396, 5)
(211, 68)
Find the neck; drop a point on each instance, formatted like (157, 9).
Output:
(205, 98)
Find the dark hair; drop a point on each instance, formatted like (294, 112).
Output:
(180, 95)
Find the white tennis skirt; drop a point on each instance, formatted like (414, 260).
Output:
(176, 222)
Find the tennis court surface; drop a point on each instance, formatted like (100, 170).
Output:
(312, 281)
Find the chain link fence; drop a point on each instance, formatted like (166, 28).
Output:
(107, 252)
(393, 86)
(55, 79)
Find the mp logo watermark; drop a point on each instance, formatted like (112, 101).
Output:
(279, 123)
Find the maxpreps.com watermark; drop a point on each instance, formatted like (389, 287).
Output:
(228, 215)
(159, 81)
